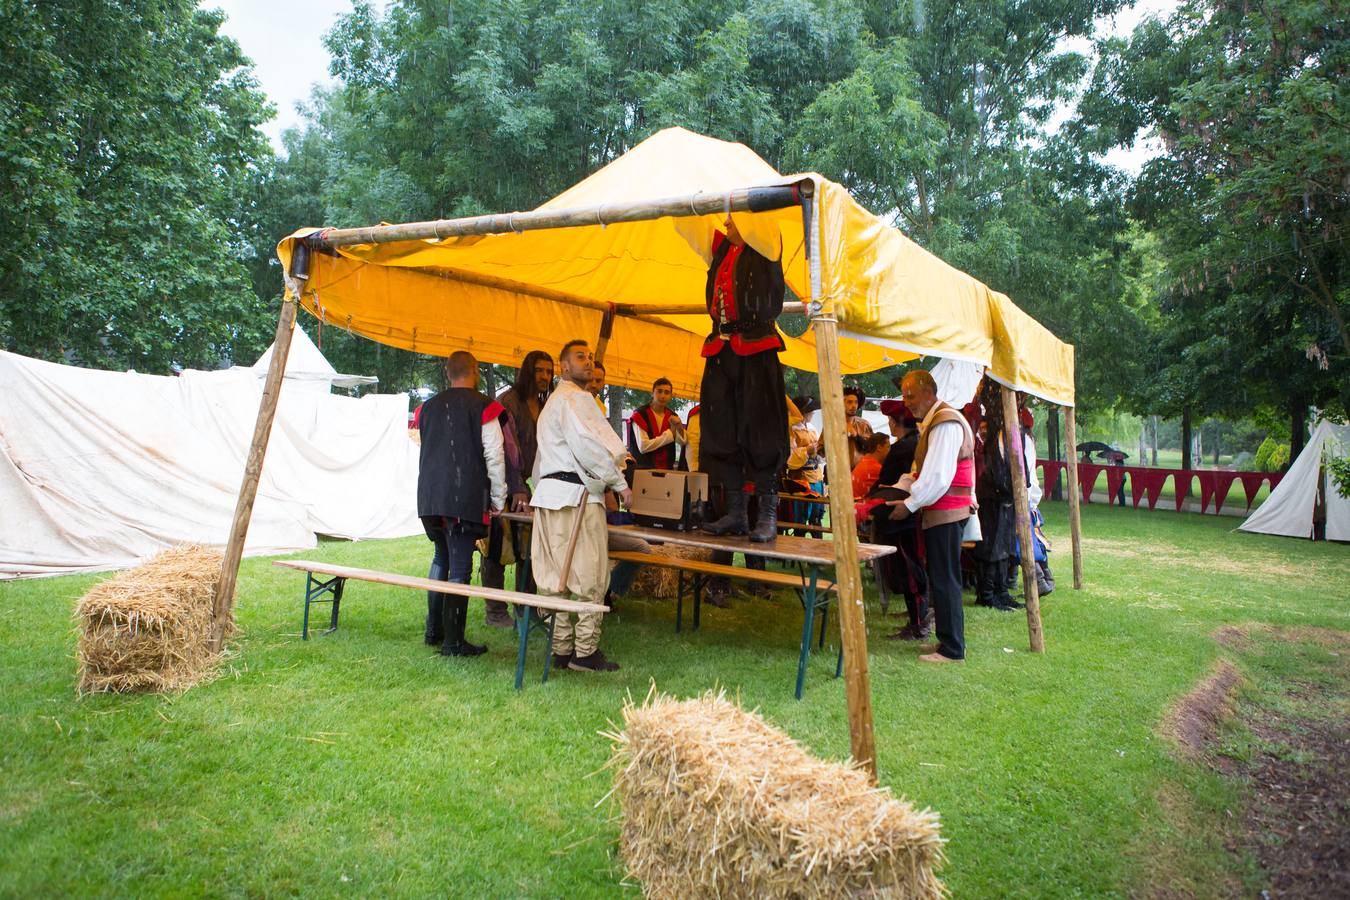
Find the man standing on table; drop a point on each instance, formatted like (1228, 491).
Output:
(941, 492)
(572, 471)
(744, 443)
(462, 473)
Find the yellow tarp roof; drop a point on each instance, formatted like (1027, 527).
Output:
(893, 299)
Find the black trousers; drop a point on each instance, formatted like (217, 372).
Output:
(943, 543)
(744, 420)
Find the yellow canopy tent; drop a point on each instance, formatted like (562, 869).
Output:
(503, 294)
(596, 260)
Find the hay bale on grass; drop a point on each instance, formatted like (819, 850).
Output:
(147, 629)
(663, 584)
(717, 803)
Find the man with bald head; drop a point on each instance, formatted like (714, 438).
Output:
(941, 492)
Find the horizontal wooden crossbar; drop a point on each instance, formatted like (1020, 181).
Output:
(555, 604)
(782, 579)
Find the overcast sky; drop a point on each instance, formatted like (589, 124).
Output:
(284, 38)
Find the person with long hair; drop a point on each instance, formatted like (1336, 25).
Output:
(523, 402)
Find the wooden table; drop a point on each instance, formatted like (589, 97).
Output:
(810, 555)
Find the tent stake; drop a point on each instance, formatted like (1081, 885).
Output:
(1075, 523)
(1012, 437)
(848, 577)
(248, 490)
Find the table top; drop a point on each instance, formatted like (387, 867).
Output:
(811, 551)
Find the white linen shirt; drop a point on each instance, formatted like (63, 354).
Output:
(939, 464)
(494, 454)
(572, 438)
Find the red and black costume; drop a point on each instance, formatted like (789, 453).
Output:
(653, 426)
(744, 444)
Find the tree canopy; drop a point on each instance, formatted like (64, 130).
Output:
(130, 156)
(147, 202)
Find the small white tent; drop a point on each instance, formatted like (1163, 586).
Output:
(306, 367)
(1289, 508)
(100, 470)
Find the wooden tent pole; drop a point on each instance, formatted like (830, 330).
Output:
(753, 199)
(1075, 523)
(248, 490)
(848, 577)
(1012, 439)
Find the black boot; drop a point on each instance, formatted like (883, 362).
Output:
(456, 616)
(435, 618)
(766, 523)
(985, 573)
(734, 522)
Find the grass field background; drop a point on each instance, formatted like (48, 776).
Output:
(363, 763)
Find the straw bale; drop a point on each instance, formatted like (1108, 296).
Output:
(147, 629)
(661, 583)
(718, 803)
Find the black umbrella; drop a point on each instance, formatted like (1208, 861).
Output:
(1094, 447)
(1114, 455)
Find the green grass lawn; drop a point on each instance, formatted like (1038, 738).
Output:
(362, 763)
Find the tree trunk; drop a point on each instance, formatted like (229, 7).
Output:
(1186, 438)
(1155, 442)
(1052, 438)
(1298, 417)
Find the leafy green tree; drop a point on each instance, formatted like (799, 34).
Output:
(131, 159)
(1248, 199)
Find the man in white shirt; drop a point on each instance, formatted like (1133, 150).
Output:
(656, 433)
(941, 489)
(574, 467)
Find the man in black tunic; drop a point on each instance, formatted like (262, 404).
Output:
(744, 443)
(461, 476)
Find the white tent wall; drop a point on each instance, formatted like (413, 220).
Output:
(100, 470)
(1289, 508)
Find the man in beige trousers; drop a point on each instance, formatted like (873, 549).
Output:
(572, 470)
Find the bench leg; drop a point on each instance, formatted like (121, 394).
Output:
(808, 621)
(824, 622)
(839, 666)
(314, 589)
(523, 627)
(679, 603)
(699, 582)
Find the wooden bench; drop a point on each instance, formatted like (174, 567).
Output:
(525, 622)
(811, 590)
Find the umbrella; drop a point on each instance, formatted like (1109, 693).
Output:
(1114, 455)
(1094, 446)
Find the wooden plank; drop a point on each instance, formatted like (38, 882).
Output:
(557, 604)
(1075, 523)
(248, 489)
(786, 547)
(786, 579)
(1012, 430)
(852, 627)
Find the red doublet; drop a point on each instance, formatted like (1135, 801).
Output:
(724, 311)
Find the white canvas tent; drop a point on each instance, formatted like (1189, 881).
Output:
(100, 470)
(1289, 508)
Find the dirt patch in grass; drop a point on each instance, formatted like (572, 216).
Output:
(1193, 721)
(1289, 749)
(1297, 824)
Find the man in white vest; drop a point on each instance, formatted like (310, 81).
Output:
(942, 492)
